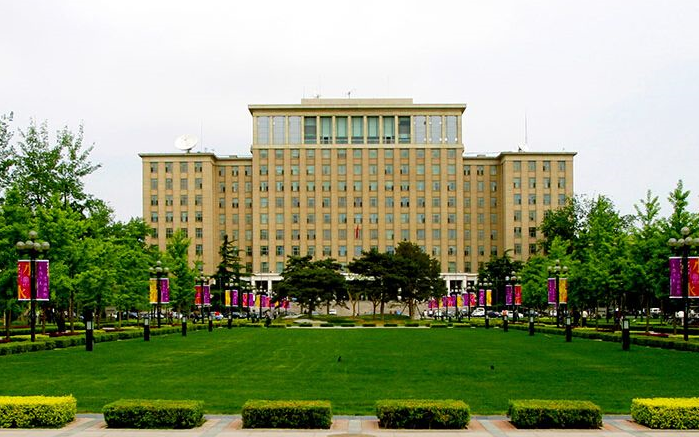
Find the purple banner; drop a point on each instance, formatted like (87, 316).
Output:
(675, 277)
(552, 291)
(508, 295)
(235, 298)
(207, 295)
(251, 299)
(481, 297)
(42, 279)
(164, 290)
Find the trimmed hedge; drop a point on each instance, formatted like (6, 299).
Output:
(287, 414)
(666, 413)
(537, 413)
(36, 411)
(154, 414)
(422, 414)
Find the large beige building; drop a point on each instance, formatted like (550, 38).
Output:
(335, 177)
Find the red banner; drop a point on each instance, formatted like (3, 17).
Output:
(24, 281)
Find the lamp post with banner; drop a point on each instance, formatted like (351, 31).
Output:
(557, 284)
(684, 274)
(159, 287)
(32, 276)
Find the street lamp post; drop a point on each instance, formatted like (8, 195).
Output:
(159, 271)
(468, 297)
(683, 245)
(203, 281)
(485, 304)
(557, 269)
(32, 248)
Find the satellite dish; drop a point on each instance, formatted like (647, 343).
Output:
(186, 142)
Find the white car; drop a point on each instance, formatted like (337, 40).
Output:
(478, 312)
(332, 312)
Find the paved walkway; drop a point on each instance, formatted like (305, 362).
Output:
(92, 425)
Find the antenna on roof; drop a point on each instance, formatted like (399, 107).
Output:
(349, 93)
(524, 147)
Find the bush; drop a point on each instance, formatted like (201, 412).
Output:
(326, 325)
(347, 325)
(422, 414)
(666, 413)
(287, 414)
(36, 411)
(536, 413)
(369, 325)
(149, 414)
(390, 325)
(412, 325)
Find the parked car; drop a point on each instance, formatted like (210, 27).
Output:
(655, 312)
(478, 312)
(332, 312)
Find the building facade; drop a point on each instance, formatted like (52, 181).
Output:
(335, 177)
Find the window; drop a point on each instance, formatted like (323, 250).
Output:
(153, 167)
(435, 129)
(262, 130)
(198, 167)
(294, 130)
(278, 129)
(532, 182)
(404, 130)
(532, 199)
(531, 165)
(310, 130)
(547, 199)
(451, 129)
(547, 165)
(154, 217)
(326, 130)
(532, 232)
(561, 166)
(517, 199)
(420, 129)
(154, 184)
(154, 200)
(517, 165)
(518, 232)
(372, 130)
(357, 130)
(561, 182)
(389, 133)
(168, 183)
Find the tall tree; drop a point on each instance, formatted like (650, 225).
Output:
(496, 271)
(231, 270)
(181, 274)
(375, 272)
(417, 275)
(311, 282)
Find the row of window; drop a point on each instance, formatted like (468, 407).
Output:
(358, 169)
(341, 153)
(281, 129)
(546, 182)
(532, 199)
(531, 165)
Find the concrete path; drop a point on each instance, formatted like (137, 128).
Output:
(92, 425)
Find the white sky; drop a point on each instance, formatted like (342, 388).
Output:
(615, 81)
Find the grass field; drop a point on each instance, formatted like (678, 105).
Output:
(227, 367)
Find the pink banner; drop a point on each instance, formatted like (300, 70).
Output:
(675, 277)
(164, 290)
(234, 298)
(251, 299)
(481, 297)
(508, 295)
(24, 281)
(197, 295)
(518, 294)
(42, 279)
(552, 291)
(472, 299)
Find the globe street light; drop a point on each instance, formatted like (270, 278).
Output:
(203, 281)
(32, 248)
(683, 245)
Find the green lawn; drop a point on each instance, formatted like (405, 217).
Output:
(227, 367)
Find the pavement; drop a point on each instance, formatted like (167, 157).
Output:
(92, 425)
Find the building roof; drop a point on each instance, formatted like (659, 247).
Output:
(347, 103)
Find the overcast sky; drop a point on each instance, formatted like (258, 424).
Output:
(615, 81)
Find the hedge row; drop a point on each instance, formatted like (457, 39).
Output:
(536, 413)
(287, 414)
(422, 414)
(664, 343)
(666, 413)
(36, 411)
(41, 344)
(154, 414)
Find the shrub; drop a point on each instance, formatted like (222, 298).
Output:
(326, 325)
(287, 414)
(36, 411)
(390, 325)
(149, 414)
(412, 325)
(369, 325)
(536, 413)
(438, 325)
(422, 414)
(666, 413)
(347, 325)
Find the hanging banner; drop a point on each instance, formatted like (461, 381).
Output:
(675, 277)
(207, 295)
(694, 277)
(227, 298)
(489, 297)
(481, 297)
(235, 298)
(164, 290)
(42, 279)
(197, 295)
(251, 299)
(509, 298)
(472, 299)
(552, 291)
(563, 290)
(152, 292)
(518, 294)
(24, 291)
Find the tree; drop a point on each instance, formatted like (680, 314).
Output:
(374, 272)
(6, 151)
(417, 275)
(231, 270)
(311, 282)
(181, 275)
(564, 222)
